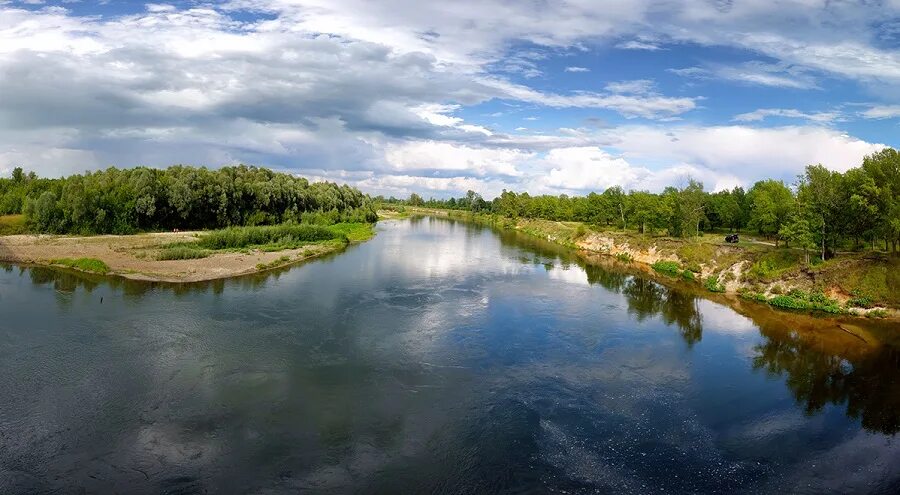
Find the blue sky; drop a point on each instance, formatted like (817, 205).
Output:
(399, 96)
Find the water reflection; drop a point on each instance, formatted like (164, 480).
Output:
(819, 372)
(438, 357)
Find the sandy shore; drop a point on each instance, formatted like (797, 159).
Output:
(134, 256)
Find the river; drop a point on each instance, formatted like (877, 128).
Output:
(439, 357)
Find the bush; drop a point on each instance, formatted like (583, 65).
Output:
(860, 302)
(668, 267)
(788, 302)
(687, 275)
(712, 284)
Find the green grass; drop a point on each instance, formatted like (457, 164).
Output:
(772, 264)
(84, 264)
(354, 232)
(286, 236)
(687, 275)
(182, 252)
(877, 279)
(695, 253)
(274, 263)
(12, 224)
(266, 238)
(668, 267)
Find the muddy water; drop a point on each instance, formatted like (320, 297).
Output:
(439, 357)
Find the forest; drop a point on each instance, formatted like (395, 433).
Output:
(822, 212)
(123, 201)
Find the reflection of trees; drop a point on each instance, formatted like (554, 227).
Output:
(608, 279)
(647, 298)
(868, 383)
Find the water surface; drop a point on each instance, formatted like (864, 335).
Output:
(439, 357)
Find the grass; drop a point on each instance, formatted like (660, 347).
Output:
(876, 279)
(84, 264)
(266, 238)
(274, 263)
(695, 253)
(12, 224)
(771, 265)
(287, 235)
(182, 252)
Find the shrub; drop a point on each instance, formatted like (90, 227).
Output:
(687, 275)
(859, 302)
(877, 313)
(668, 267)
(712, 284)
(788, 302)
(777, 289)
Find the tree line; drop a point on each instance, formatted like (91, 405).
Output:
(822, 212)
(122, 201)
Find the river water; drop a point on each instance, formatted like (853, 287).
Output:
(439, 357)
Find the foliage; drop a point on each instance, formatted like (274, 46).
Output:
(282, 235)
(712, 284)
(687, 275)
(84, 264)
(828, 208)
(125, 201)
(668, 267)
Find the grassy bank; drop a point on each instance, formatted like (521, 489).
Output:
(270, 238)
(89, 265)
(185, 256)
(851, 283)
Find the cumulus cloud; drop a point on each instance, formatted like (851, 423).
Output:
(376, 93)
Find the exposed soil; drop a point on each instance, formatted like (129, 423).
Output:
(134, 256)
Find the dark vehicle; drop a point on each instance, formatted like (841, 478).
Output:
(733, 238)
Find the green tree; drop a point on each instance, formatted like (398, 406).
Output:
(770, 204)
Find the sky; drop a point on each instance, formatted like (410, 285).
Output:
(397, 96)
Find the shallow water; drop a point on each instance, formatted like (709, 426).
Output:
(438, 357)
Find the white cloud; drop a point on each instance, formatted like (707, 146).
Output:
(762, 113)
(753, 73)
(882, 112)
(577, 69)
(638, 45)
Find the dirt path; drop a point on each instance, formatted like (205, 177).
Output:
(134, 256)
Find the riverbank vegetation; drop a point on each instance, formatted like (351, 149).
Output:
(266, 238)
(822, 214)
(832, 238)
(116, 201)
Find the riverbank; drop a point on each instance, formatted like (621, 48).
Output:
(139, 256)
(856, 284)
